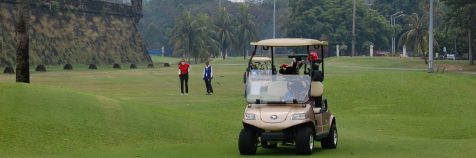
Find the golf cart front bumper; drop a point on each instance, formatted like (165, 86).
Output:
(275, 126)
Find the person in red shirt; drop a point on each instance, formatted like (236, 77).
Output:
(184, 68)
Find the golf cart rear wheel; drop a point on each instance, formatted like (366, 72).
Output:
(330, 142)
(248, 142)
(304, 141)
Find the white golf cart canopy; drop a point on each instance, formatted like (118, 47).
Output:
(289, 42)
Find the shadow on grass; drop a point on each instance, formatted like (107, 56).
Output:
(285, 151)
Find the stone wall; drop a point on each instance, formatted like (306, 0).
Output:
(76, 31)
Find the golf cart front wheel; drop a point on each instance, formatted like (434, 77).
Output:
(247, 143)
(304, 141)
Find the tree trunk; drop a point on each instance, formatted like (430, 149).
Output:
(353, 29)
(22, 41)
(470, 38)
(245, 53)
(225, 52)
(470, 44)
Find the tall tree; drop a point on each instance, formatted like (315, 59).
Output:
(247, 30)
(226, 32)
(332, 20)
(22, 41)
(462, 17)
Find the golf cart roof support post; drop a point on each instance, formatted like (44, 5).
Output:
(251, 58)
(311, 67)
(322, 56)
(273, 68)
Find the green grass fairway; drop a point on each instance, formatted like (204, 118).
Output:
(385, 107)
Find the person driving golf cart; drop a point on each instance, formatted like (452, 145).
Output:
(289, 69)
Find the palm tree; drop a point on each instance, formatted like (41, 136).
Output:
(247, 30)
(191, 36)
(416, 37)
(209, 46)
(225, 33)
(22, 38)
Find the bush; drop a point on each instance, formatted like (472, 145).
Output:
(116, 66)
(93, 67)
(150, 65)
(166, 65)
(9, 70)
(68, 67)
(133, 66)
(40, 68)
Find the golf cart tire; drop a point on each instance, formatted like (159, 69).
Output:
(328, 142)
(304, 136)
(247, 142)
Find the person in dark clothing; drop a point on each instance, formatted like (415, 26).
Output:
(184, 68)
(207, 77)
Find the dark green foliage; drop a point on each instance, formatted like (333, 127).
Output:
(92, 67)
(40, 68)
(150, 65)
(161, 16)
(8, 70)
(331, 20)
(116, 66)
(389, 7)
(460, 19)
(68, 67)
(133, 66)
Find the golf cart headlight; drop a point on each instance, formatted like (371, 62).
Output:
(299, 116)
(249, 116)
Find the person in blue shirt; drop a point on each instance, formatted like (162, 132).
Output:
(208, 76)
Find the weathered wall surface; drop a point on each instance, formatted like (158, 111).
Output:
(76, 31)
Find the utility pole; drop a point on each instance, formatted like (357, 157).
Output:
(274, 19)
(392, 23)
(430, 52)
(353, 29)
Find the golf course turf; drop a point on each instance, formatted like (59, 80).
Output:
(385, 107)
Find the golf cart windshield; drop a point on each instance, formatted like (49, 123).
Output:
(263, 87)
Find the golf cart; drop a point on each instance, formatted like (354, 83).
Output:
(286, 108)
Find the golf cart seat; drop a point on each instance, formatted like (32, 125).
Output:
(317, 89)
